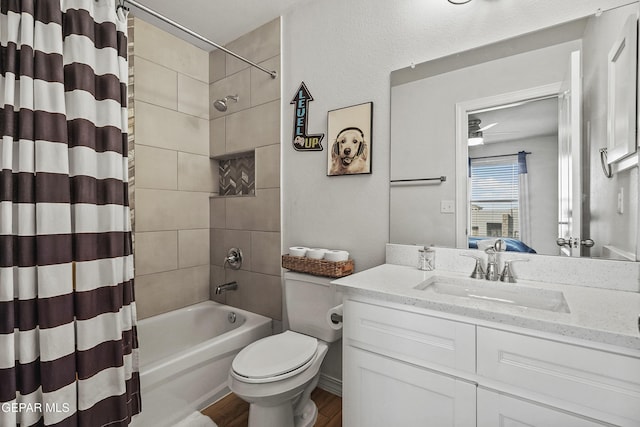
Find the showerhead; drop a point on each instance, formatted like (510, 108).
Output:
(221, 104)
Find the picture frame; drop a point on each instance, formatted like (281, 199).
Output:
(621, 108)
(349, 140)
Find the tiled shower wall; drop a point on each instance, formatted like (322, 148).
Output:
(174, 176)
(249, 222)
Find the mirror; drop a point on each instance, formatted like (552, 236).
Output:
(545, 91)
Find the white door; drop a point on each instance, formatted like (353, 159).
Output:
(569, 159)
(497, 409)
(382, 392)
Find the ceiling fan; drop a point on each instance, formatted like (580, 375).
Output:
(476, 133)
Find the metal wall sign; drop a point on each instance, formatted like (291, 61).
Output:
(302, 141)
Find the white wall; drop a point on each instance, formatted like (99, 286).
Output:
(344, 51)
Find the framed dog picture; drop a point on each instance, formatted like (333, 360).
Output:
(349, 133)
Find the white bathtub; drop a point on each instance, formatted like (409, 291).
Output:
(185, 356)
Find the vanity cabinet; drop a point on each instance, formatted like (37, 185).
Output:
(413, 367)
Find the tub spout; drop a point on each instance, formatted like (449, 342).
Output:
(231, 286)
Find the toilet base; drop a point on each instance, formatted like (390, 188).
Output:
(309, 415)
(282, 415)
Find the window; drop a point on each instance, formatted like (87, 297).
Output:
(494, 194)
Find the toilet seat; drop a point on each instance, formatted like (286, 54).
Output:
(275, 358)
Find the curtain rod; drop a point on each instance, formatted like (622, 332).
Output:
(152, 12)
(500, 155)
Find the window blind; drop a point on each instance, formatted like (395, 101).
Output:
(494, 193)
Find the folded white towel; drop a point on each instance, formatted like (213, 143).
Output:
(196, 419)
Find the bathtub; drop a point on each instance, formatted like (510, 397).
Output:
(185, 356)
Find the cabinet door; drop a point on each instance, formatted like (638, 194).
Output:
(496, 409)
(383, 392)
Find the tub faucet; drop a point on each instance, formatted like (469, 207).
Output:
(231, 286)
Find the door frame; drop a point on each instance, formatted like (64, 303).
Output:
(462, 149)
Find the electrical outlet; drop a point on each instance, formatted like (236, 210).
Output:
(447, 206)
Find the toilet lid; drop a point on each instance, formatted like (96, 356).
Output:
(275, 355)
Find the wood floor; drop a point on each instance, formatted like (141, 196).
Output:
(231, 411)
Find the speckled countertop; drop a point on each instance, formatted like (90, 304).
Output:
(599, 315)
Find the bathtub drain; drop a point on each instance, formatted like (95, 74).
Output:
(231, 317)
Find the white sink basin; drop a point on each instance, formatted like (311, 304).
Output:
(496, 292)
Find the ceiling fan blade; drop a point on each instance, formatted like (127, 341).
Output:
(489, 126)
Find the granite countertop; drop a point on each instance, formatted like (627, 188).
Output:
(599, 315)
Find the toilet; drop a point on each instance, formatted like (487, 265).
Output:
(277, 374)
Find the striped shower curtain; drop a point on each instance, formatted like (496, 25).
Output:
(68, 346)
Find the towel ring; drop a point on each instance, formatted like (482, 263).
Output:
(606, 168)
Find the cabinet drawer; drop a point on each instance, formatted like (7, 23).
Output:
(606, 383)
(412, 337)
(496, 409)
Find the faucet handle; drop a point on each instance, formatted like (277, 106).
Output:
(478, 270)
(233, 258)
(491, 250)
(507, 274)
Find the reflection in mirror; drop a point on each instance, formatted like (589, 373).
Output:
(436, 108)
(513, 175)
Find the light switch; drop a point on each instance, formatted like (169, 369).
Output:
(447, 206)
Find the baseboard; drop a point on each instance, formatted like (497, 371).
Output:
(330, 384)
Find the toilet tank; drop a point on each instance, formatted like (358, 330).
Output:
(308, 299)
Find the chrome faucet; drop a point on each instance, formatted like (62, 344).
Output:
(507, 273)
(492, 252)
(478, 270)
(492, 264)
(231, 286)
(492, 270)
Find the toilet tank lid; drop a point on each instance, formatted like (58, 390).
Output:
(302, 277)
(275, 355)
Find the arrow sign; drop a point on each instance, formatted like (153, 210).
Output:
(302, 141)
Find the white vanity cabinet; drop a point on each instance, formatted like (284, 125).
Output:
(386, 380)
(412, 367)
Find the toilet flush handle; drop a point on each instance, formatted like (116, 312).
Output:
(337, 318)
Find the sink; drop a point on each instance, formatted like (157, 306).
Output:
(496, 292)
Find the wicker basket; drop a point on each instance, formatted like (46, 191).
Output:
(317, 267)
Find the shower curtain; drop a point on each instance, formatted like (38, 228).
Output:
(68, 346)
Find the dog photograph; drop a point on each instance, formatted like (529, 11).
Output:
(349, 131)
